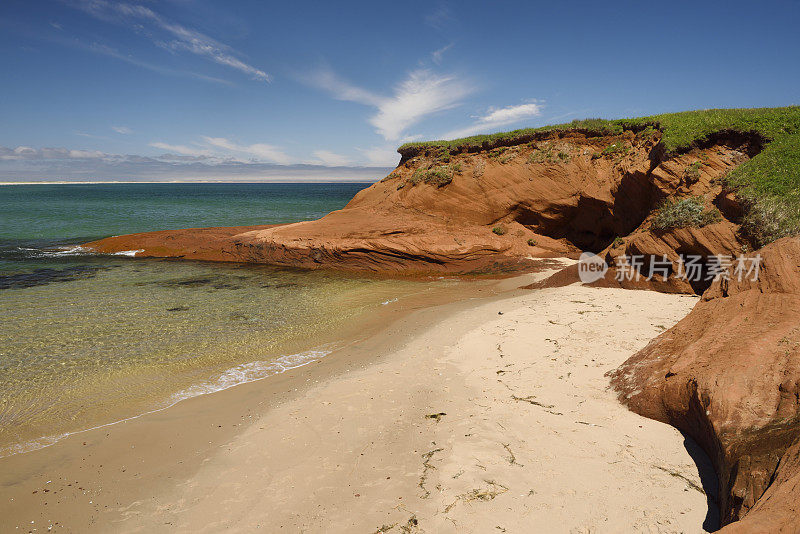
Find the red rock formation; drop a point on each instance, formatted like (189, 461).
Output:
(729, 376)
(491, 211)
(207, 244)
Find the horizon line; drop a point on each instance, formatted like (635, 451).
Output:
(90, 182)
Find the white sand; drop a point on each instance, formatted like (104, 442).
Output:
(532, 440)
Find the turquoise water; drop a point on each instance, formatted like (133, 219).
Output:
(88, 340)
(36, 217)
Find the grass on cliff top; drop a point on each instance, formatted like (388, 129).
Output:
(768, 184)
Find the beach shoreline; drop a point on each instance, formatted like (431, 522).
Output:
(153, 473)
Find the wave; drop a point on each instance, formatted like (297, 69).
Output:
(74, 250)
(250, 372)
(58, 252)
(235, 376)
(129, 253)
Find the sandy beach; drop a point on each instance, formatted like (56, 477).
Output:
(490, 414)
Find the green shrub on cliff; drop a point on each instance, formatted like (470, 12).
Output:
(768, 184)
(499, 230)
(692, 172)
(685, 213)
(439, 176)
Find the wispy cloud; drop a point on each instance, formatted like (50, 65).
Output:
(123, 130)
(496, 118)
(90, 136)
(258, 151)
(332, 159)
(439, 17)
(342, 89)
(106, 50)
(422, 93)
(436, 55)
(223, 149)
(181, 149)
(178, 37)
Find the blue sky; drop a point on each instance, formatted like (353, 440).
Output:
(194, 89)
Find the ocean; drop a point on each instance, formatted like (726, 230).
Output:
(87, 340)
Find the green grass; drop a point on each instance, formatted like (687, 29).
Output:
(495, 153)
(615, 149)
(768, 184)
(541, 155)
(594, 126)
(685, 213)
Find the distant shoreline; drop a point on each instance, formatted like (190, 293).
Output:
(328, 181)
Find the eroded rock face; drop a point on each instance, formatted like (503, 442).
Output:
(488, 212)
(729, 376)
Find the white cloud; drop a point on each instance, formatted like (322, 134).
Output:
(496, 118)
(180, 149)
(25, 163)
(111, 52)
(220, 142)
(86, 154)
(332, 159)
(381, 156)
(90, 136)
(30, 153)
(124, 130)
(268, 152)
(259, 150)
(341, 89)
(510, 114)
(202, 47)
(421, 94)
(182, 38)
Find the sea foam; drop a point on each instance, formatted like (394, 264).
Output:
(250, 372)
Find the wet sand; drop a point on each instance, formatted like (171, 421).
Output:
(454, 418)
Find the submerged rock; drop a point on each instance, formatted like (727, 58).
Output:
(40, 277)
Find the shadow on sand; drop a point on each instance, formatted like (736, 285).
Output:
(708, 479)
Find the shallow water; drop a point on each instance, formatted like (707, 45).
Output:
(88, 340)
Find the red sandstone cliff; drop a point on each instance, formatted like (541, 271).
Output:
(727, 374)
(491, 211)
